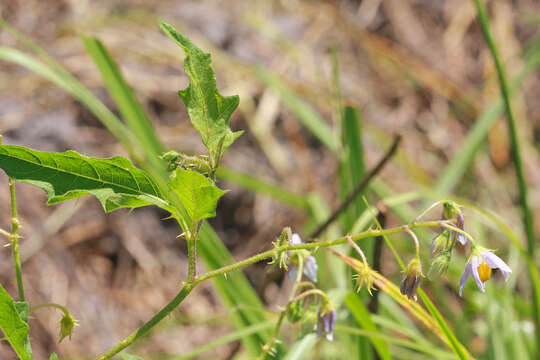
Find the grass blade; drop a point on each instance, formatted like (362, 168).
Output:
(302, 347)
(257, 185)
(352, 165)
(74, 87)
(304, 112)
(123, 95)
(430, 350)
(461, 161)
(453, 342)
(363, 317)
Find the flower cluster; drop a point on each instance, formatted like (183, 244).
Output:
(481, 261)
(297, 263)
(293, 260)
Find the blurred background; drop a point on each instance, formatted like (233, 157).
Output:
(417, 68)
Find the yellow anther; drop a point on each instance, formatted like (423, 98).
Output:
(484, 272)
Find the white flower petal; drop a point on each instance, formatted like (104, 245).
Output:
(495, 262)
(464, 277)
(295, 239)
(475, 262)
(460, 223)
(293, 273)
(310, 268)
(462, 239)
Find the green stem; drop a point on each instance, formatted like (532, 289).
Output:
(416, 242)
(431, 207)
(15, 239)
(192, 258)
(300, 285)
(310, 293)
(516, 155)
(188, 286)
(358, 250)
(53, 305)
(191, 239)
(314, 245)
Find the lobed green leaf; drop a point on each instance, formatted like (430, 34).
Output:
(208, 110)
(63, 176)
(197, 193)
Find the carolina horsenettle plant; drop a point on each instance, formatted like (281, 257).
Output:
(117, 184)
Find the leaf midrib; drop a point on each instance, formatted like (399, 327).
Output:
(200, 93)
(138, 191)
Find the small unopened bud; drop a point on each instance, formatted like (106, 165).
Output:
(441, 242)
(326, 320)
(171, 157)
(412, 275)
(451, 209)
(67, 324)
(460, 224)
(309, 263)
(295, 311)
(311, 268)
(440, 262)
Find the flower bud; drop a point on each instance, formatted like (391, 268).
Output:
(171, 157)
(441, 242)
(412, 275)
(295, 311)
(441, 262)
(309, 264)
(311, 268)
(326, 320)
(460, 224)
(451, 209)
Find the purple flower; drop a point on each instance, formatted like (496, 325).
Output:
(309, 267)
(325, 324)
(479, 267)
